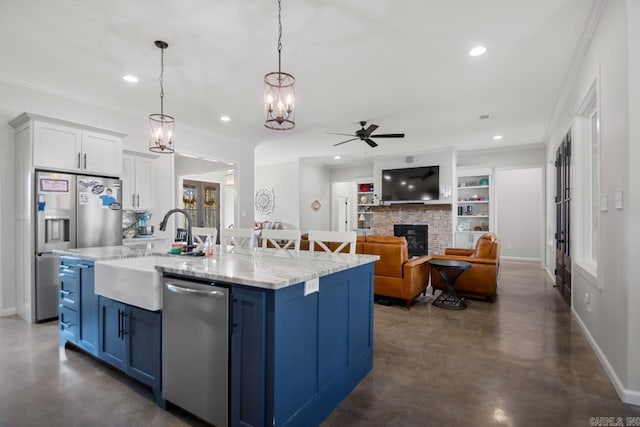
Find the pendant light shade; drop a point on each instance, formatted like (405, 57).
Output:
(279, 92)
(161, 126)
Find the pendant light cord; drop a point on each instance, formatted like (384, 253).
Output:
(161, 81)
(279, 35)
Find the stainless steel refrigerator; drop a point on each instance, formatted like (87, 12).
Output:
(72, 211)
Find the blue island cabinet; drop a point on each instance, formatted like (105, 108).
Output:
(130, 339)
(78, 304)
(295, 357)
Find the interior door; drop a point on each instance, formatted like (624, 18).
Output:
(563, 218)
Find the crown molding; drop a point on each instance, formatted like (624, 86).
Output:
(597, 10)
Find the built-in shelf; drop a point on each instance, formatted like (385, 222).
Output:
(474, 186)
(474, 205)
(362, 212)
(366, 204)
(365, 192)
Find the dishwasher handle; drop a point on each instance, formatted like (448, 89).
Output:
(190, 291)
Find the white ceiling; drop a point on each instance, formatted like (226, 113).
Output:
(402, 64)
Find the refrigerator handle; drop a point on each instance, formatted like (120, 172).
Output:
(85, 160)
(78, 160)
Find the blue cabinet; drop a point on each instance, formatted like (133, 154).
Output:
(124, 336)
(111, 338)
(130, 340)
(78, 304)
(295, 357)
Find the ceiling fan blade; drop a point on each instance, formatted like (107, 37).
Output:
(370, 142)
(388, 135)
(370, 129)
(340, 143)
(344, 134)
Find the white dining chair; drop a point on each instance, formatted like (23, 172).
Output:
(343, 237)
(291, 239)
(238, 237)
(200, 235)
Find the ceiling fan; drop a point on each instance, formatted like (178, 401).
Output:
(365, 135)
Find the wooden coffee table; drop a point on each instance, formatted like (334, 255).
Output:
(449, 270)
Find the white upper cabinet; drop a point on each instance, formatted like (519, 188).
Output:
(137, 182)
(101, 153)
(70, 147)
(56, 146)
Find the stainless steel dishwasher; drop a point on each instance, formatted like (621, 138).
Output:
(195, 348)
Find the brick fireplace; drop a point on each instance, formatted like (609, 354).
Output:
(438, 217)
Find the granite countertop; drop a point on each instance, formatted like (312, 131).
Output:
(263, 268)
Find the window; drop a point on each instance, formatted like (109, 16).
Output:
(587, 184)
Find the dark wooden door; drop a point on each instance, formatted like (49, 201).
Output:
(563, 218)
(201, 201)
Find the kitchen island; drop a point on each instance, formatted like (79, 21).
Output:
(297, 347)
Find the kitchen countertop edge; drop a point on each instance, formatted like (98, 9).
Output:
(269, 268)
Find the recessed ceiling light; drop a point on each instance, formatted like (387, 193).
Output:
(129, 78)
(497, 137)
(229, 163)
(225, 118)
(477, 51)
(337, 157)
(191, 156)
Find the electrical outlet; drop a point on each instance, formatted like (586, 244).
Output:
(587, 300)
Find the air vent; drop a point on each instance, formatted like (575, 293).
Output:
(484, 116)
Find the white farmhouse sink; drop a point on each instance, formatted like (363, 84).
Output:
(134, 281)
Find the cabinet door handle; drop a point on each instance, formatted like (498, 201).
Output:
(78, 160)
(65, 325)
(133, 200)
(119, 323)
(124, 325)
(137, 200)
(65, 292)
(85, 160)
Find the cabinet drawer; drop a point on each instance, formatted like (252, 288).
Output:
(68, 321)
(69, 291)
(68, 267)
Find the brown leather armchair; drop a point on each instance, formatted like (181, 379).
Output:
(396, 275)
(481, 280)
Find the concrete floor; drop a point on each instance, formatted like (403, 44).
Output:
(521, 361)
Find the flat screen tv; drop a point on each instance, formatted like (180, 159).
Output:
(411, 185)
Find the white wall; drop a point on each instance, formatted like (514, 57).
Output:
(283, 178)
(519, 211)
(531, 155)
(315, 184)
(17, 99)
(351, 172)
(607, 321)
(632, 198)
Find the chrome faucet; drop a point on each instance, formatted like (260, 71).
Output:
(163, 226)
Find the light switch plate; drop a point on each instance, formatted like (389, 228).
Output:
(619, 198)
(604, 202)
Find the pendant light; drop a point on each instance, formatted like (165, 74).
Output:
(162, 126)
(279, 92)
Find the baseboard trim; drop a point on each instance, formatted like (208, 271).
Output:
(8, 312)
(521, 259)
(627, 396)
(551, 275)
